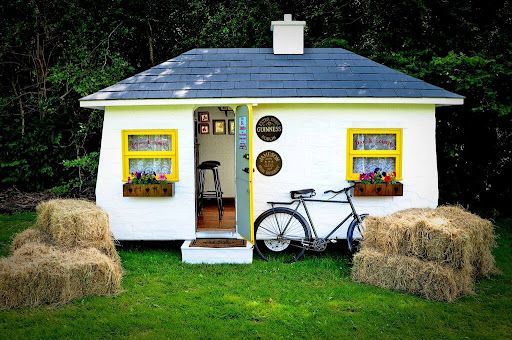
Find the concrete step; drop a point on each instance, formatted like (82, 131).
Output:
(210, 255)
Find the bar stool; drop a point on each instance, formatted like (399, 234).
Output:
(203, 194)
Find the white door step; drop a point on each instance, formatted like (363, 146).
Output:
(218, 234)
(233, 255)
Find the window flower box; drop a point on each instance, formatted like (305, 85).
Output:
(148, 190)
(381, 189)
(146, 184)
(378, 183)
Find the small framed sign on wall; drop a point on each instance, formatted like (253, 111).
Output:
(231, 126)
(204, 116)
(204, 128)
(269, 163)
(269, 128)
(219, 127)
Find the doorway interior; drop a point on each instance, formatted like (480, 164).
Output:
(214, 147)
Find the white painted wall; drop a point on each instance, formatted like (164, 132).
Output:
(219, 148)
(147, 218)
(313, 149)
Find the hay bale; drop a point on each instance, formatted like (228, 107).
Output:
(429, 279)
(39, 274)
(71, 223)
(29, 236)
(448, 235)
(481, 235)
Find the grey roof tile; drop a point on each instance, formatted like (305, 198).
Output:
(209, 93)
(303, 76)
(261, 76)
(257, 72)
(284, 93)
(408, 93)
(309, 92)
(282, 76)
(325, 76)
(358, 93)
(159, 94)
(383, 93)
(334, 93)
(239, 77)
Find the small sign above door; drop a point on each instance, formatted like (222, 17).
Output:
(269, 163)
(269, 128)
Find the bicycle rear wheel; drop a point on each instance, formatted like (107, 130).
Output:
(279, 235)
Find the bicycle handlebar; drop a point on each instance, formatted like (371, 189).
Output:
(338, 192)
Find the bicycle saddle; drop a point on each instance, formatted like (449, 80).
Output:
(304, 193)
(208, 165)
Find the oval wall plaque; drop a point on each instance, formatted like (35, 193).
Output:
(269, 163)
(269, 128)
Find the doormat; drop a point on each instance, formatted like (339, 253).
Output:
(217, 243)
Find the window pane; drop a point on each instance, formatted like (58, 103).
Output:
(367, 141)
(369, 164)
(150, 165)
(149, 143)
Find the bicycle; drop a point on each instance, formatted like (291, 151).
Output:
(282, 231)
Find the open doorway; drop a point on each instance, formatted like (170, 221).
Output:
(215, 168)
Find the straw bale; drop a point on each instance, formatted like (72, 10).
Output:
(39, 274)
(71, 223)
(429, 279)
(448, 235)
(29, 236)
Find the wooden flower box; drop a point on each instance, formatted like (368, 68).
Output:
(384, 189)
(148, 190)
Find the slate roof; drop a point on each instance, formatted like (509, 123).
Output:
(258, 73)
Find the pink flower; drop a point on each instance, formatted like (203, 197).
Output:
(129, 179)
(162, 177)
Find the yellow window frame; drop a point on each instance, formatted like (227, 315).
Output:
(172, 154)
(351, 153)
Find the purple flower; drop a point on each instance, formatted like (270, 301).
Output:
(138, 174)
(376, 170)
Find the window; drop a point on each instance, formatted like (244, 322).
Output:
(368, 149)
(150, 151)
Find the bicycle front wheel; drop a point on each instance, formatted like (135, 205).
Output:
(279, 234)
(355, 234)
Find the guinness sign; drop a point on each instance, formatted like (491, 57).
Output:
(269, 163)
(269, 128)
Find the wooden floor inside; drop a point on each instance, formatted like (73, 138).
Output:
(209, 219)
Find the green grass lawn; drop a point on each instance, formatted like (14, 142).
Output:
(314, 298)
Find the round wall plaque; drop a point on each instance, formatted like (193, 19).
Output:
(269, 128)
(269, 163)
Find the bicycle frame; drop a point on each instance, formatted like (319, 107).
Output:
(302, 201)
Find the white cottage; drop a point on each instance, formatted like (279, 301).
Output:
(309, 117)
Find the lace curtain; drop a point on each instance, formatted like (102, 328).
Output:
(374, 142)
(149, 143)
(150, 165)
(368, 164)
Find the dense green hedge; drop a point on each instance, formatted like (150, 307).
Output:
(53, 52)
